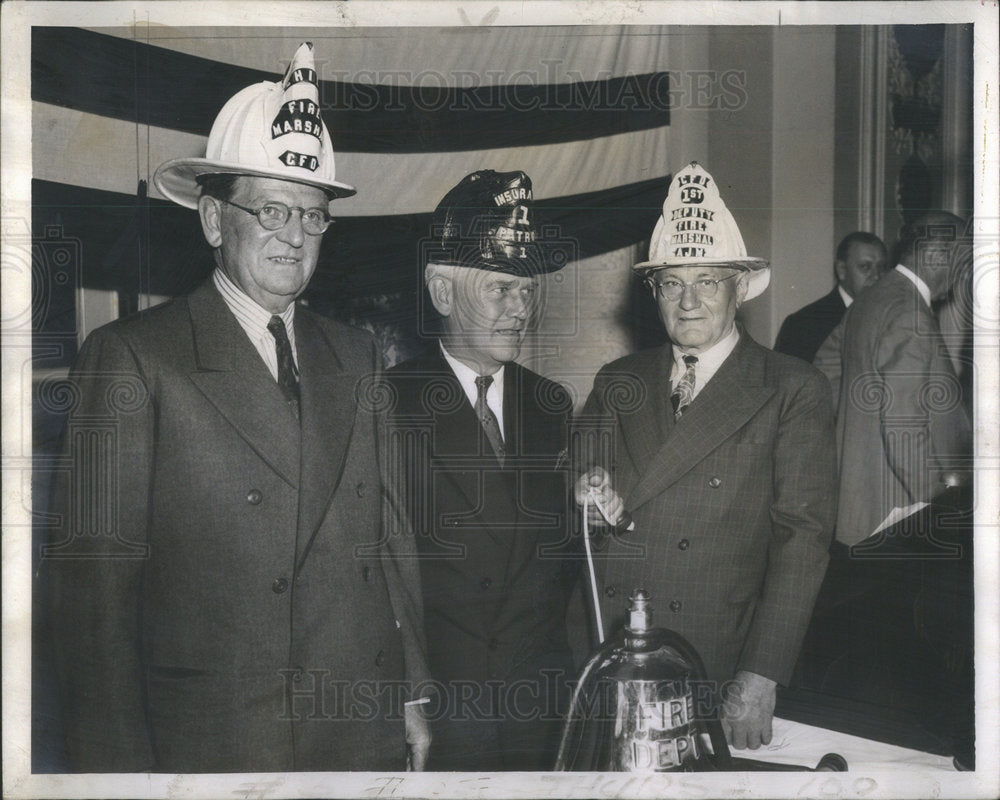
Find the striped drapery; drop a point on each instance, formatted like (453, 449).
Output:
(585, 111)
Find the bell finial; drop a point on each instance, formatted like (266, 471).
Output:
(640, 612)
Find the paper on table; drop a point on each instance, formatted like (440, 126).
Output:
(804, 745)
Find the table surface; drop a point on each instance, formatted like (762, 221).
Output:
(804, 745)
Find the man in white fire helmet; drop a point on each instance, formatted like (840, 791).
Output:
(722, 454)
(224, 596)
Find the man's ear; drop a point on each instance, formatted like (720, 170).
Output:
(441, 292)
(742, 285)
(210, 213)
(840, 270)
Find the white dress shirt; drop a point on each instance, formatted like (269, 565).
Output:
(845, 296)
(253, 319)
(708, 362)
(467, 378)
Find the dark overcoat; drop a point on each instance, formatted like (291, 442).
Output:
(222, 600)
(803, 332)
(497, 563)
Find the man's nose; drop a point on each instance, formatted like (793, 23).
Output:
(292, 233)
(689, 297)
(517, 306)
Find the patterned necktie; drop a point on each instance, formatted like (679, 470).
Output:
(288, 375)
(683, 393)
(488, 419)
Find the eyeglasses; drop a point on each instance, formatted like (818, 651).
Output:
(703, 288)
(274, 216)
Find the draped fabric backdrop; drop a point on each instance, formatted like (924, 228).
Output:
(585, 111)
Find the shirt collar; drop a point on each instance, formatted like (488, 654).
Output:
(250, 314)
(710, 360)
(465, 374)
(845, 296)
(923, 288)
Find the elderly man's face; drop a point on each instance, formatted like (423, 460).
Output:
(864, 265)
(486, 315)
(695, 321)
(272, 267)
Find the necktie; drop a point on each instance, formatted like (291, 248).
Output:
(488, 419)
(288, 375)
(683, 393)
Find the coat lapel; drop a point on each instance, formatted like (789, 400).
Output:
(642, 441)
(725, 405)
(329, 412)
(523, 539)
(231, 374)
(455, 455)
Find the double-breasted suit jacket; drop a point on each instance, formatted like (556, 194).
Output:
(497, 565)
(901, 421)
(803, 332)
(238, 609)
(733, 504)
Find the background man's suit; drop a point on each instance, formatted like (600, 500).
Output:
(733, 505)
(264, 584)
(803, 332)
(900, 414)
(493, 543)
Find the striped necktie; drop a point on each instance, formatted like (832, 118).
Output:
(288, 375)
(683, 393)
(491, 427)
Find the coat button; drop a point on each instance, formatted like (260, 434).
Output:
(610, 591)
(279, 586)
(683, 544)
(366, 573)
(360, 489)
(715, 483)
(485, 584)
(675, 605)
(380, 658)
(254, 497)
(494, 644)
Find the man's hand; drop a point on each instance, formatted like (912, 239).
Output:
(598, 480)
(418, 738)
(747, 710)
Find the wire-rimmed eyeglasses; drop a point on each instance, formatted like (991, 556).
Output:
(273, 216)
(672, 289)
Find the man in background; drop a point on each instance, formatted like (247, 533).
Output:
(859, 263)
(894, 619)
(486, 485)
(901, 422)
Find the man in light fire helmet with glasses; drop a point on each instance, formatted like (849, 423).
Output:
(720, 477)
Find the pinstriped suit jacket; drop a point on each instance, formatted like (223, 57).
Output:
(734, 504)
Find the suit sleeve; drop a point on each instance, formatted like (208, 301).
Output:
(828, 360)
(94, 569)
(922, 417)
(802, 520)
(401, 565)
(593, 431)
